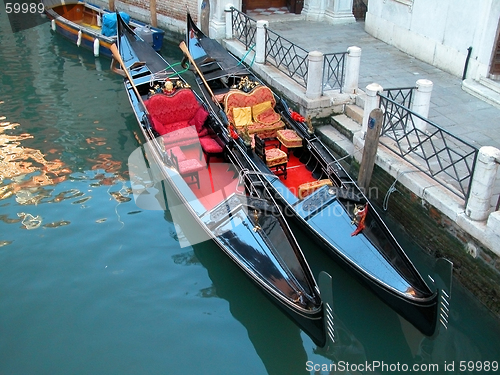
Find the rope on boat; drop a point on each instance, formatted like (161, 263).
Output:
(245, 56)
(392, 189)
(163, 74)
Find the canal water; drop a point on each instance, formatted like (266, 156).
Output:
(92, 284)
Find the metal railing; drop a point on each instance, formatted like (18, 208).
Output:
(333, 71)
(244, 28)
(446, 158)
(288, 56)
(403, 96)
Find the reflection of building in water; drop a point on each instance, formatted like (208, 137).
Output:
(25, 167)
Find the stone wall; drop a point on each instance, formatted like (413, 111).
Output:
(438, 32)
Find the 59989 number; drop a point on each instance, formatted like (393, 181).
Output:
(24, 8)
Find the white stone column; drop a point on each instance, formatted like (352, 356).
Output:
(340, 12)
(229, 21)
(422, 102)
(218, 19)
(481, 190)
(260, 42)
(314, 10)
(372, 101)
(353, 62)
(314, 75)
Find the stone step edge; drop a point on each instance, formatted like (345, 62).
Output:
(345, 125)
(481, 91)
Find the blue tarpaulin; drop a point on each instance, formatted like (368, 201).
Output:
(109, 23)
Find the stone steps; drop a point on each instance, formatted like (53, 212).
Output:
(486, 90)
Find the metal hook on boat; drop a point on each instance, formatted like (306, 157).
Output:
(256, 218)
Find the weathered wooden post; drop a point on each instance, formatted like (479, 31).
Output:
(353, 62)
(111, 5)
(370, 148)
(372, 101)
(205, 17)
(152, 10)
(260, 42)
(314, 84)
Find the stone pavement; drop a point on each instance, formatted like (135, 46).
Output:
(453, 109)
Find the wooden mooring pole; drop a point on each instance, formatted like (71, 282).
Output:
(152, 10)
(370, 148)
(111, 5)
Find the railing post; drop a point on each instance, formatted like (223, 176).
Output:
(314, 75)
(260, 42)
(352, 70)
(483, 179)
(421, 102)
(229, 21)
(372, 101)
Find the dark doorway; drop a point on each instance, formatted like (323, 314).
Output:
(262, 4)
(495, 58)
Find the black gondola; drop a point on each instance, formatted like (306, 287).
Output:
(250, 229)
(327, 203)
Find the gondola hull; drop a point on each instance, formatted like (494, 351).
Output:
(250, 230)
(336, 213)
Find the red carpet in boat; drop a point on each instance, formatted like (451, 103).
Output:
(217, 181)
(297, 174)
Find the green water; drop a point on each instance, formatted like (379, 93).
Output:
(92, 284)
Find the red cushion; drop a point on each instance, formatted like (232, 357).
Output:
(190, 165)
(170, 112)
(199, 118)
(210, 145)
(182, 134)
(203, 132)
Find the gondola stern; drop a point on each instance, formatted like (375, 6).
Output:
(326, 290)
(443, 271)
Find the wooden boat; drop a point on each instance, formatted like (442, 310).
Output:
(312, 186)
(86, 25)
(250, 229)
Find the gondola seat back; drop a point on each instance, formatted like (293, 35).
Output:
(254, 110)
(179, 118)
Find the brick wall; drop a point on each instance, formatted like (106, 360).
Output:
(439, 237)
(168, 8)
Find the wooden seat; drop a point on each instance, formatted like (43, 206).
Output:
(289, 138)
(273, 157)
(187, 168)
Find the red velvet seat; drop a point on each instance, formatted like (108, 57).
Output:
(179, 118)
(188, 168)
(210, 147)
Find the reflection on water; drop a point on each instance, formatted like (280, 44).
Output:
(26, 168)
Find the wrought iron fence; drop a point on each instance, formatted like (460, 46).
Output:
(333, 71)
(287, 56)
(402, 96)
(446, 158)
(244, 27)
